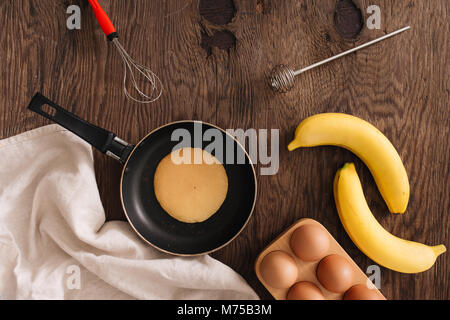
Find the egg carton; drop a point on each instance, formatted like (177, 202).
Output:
(307, 269)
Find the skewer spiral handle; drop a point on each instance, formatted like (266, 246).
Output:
(281, 78)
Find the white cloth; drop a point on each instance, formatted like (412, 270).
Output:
(54, 239)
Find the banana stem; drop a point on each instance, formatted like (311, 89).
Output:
(293, 145)
(438, 250)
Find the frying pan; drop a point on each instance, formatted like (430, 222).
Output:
(139, 202)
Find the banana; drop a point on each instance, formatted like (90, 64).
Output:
(368, 143)
(370, 237)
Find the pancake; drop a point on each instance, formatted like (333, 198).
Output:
(190, 191)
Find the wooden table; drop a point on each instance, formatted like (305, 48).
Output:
(401, 86)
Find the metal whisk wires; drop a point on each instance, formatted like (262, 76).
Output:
(281, 78)
(131, 66)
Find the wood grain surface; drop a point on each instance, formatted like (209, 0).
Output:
(401, 86)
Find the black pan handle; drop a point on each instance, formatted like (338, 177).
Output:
(103, 140)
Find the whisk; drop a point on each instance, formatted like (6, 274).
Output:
(281, 78)
(130, 65)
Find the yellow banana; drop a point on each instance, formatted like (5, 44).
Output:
(368, 143)
(370, 237)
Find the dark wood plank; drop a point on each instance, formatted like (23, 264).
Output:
(401, 86)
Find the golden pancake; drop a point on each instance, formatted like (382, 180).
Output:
(190, 184)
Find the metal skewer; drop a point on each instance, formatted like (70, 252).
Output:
(282, 78)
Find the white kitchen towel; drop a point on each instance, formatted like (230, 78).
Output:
(55, 244)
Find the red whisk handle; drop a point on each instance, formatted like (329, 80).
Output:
(103, 20)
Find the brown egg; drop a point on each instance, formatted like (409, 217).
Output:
(305, 291)
(335, 273)
(362, 292)
(310, 242)
(278, 269)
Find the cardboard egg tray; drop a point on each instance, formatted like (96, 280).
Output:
(307, 270)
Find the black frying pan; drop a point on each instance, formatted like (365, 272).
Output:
(139, 202)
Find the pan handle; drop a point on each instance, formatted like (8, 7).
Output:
(103, 140)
